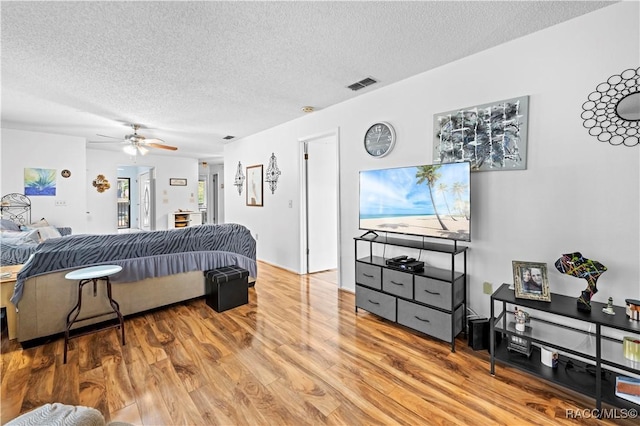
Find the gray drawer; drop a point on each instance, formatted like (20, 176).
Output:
(368, 275)
(438, 293)
(375, 302)
(398, 283)
(429, 321)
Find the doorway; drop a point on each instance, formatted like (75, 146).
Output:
(320, 161)
(124, 203)
(136, 198)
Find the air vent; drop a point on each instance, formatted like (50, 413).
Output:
(362, 84)
(228, 137)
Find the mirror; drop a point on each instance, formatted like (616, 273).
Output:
(629, 107)
(612, 110)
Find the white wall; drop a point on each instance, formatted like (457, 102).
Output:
(577, 194)
(101, 207)
(85, 209)
(20, 150)
(275, 226)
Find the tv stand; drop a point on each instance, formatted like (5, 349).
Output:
(431, 301)
(369, 233)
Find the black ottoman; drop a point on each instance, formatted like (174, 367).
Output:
(226, 287)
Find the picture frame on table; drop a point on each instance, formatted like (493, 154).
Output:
(531, 280)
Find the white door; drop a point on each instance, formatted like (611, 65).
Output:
(321, 166)
(145, 193)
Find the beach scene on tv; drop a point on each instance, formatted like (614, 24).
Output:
(428, 200)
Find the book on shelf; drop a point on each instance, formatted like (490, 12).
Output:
(628, 388)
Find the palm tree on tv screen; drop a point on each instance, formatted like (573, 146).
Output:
(458, 189)
(429, 175)
(443, 189)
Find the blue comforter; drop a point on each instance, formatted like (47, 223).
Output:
(145, 254)
(17, 247)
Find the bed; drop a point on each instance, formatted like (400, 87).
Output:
(159, 268)
(19, 237)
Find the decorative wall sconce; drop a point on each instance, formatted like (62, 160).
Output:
(273, 173)
(101, 183)
(239, 179)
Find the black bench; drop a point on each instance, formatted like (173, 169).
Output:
(226, 287)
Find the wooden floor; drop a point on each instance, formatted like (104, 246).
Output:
(296, 354)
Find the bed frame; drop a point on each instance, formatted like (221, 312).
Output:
(16, 208)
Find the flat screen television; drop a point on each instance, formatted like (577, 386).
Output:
(430, 200)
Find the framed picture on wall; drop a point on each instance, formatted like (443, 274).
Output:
(254, 185)
(177, 182)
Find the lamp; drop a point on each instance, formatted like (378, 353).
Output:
(134, 148)
(130, 149)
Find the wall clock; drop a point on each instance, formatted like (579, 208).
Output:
(379, 139)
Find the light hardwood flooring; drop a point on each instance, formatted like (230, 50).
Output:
(297, 354)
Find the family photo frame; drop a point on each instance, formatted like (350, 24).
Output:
(531, 280)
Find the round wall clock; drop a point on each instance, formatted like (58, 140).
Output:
(379, 139)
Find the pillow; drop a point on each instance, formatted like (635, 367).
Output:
(39, 224)
(48, 232)
(7, 225)
(20, 238)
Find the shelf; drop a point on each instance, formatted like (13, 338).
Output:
(429, 271)
(577, 347)
(453, 248)
(566, 306)
(580, 378)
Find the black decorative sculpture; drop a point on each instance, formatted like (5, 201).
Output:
(576, 265)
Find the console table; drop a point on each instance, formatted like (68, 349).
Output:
(589, 361)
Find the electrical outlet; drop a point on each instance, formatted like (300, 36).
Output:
(487, 288)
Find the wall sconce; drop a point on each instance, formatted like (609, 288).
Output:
(239, 179)
(273, 173)
(101, 183)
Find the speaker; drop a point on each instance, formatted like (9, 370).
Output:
(478, 333)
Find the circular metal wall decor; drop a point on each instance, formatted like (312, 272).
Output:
(612, 112)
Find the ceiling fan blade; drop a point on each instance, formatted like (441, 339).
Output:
(111, 137)
(161, 146)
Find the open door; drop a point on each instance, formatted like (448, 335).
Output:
(321, 200)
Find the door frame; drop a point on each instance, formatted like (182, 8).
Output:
(304, 217)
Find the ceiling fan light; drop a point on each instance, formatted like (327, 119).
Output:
(142, 150)
(130, 149)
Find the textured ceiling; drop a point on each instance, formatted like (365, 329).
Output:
(194, 72)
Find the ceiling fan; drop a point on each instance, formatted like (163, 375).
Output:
(136, 143)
